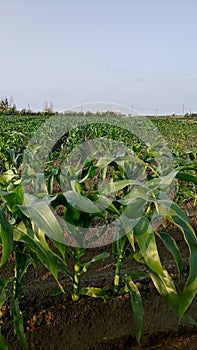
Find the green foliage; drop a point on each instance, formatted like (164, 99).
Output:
(136, 302)
(130, 195)
(6, 238)
(3, 344)
(18, 322)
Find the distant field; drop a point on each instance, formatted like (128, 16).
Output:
(15, 131)
(180, 133)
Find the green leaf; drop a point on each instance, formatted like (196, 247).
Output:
(176, 215)
(47, 258)
(50, 182)
(3, 345)
(42, 215)
(129, 158)
(61, 247)
(166, 288)
(163, 182)
(104, 161)
(103, 203)
(134, 195)
(96, 259)
(18, 322)
(115, 186)
(172, 247)
(137, 275)
(187, 167)
(135, 209)
(6, 235)
(147, 244)
(76, 187)
(89, 174)
(187, 177)
(136, 303)
(103, 173)
(131, 239)
(94, 292)
(190, 320)
(81, 202)
(22, 261)
(14, 197)
(160, 277)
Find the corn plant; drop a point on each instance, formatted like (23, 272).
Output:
(134, 205)
(32, 221)
(18, 238)
(186, 185)
(129, 195)
(22, 261)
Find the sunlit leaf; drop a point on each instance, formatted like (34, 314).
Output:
(6, 236)
(137, 305)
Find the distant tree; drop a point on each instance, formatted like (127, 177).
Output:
(48, 107)
(51, 106)
(4, 105)
(8, 107)
(13, 108)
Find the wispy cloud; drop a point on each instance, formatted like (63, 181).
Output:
(122, 69)
(139, 80)
(192, 77)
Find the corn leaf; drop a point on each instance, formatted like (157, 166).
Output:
(6, 236)
(147, 244)
(81, 202)
(96, 259)
(47, 258)
(187, 177)
(104, 161)
(42, 215)
(3, 345)
(166, 288)
(14, 197)
(136, 303)
(94, 292)
(118, 186)
(163, 282)
(18, 322)
(178, 217)
(172, 247)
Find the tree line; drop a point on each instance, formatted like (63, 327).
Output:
(9, 108)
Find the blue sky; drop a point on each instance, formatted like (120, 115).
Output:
(140, 52)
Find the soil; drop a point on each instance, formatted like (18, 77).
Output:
(56, 322)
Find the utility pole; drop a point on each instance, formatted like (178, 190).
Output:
(132, 110)
(183, 109)
(156, 112)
